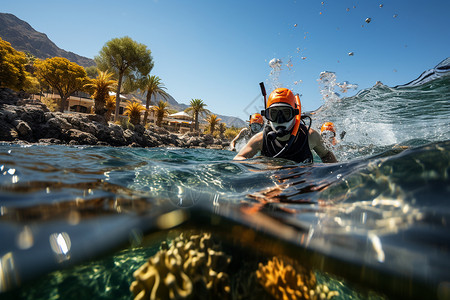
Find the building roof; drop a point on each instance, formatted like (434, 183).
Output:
(181, 115)
(121, 96)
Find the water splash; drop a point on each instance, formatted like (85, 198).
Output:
(275, 64)
(328, 84)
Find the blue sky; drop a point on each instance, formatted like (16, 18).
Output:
(219, 51)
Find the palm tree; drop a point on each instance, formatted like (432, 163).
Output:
(101, 85)
(161, 110)
(222, 129)
(153, 86)
(213, 121)
(133, 111)
(110, 106)
(197, 107)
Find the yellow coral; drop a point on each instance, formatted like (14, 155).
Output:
(282, 281)
(189, 263)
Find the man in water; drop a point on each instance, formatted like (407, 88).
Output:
(328, 133)
(285, 136)
(256, 124)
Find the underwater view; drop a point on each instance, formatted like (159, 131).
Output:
(160, 223)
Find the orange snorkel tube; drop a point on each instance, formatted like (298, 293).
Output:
(297, 117)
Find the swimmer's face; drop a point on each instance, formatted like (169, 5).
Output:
(327, 135)
(256, 127)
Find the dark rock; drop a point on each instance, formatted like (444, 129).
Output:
(8, 96)
(50, 141)
(33, 122)
(24, 130)
(82, 138)
(8, 132)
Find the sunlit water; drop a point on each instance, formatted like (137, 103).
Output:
(78, 221)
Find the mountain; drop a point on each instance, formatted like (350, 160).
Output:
(24, 38)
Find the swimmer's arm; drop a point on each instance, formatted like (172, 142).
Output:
(315, 143)
(252, 147)
(238, 136)
(329, 158)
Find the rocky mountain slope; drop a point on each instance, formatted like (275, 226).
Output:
(24, 38)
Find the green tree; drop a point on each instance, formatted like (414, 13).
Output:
(197, 108)
(231, 132)
(110, 106)
(12, 67)
(32, 85)
(213, 121)
(64, 76)
(222, 129)
(92, 72)
(101, 87)
(161, 110)
(126, 58)
(133, 111)
(152, 86)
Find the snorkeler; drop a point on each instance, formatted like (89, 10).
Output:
(285, 135)
(328, 133)
(256, 124)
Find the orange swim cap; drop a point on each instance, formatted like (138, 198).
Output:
(256, 118)
(282, 95)
(327, 126)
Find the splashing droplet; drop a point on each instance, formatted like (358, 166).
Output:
(275, 63)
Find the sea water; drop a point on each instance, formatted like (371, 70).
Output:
(77, 221)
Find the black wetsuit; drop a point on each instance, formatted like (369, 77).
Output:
(298, 152)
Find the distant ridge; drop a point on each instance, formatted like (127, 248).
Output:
(24, 38)
(229, 121)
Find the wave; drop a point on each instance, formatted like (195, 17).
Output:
(381, 115)
(441, 70)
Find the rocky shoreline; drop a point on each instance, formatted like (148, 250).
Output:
(25, 121)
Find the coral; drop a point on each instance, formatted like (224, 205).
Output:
(191, 263)
(322, 292)
(283, 281)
